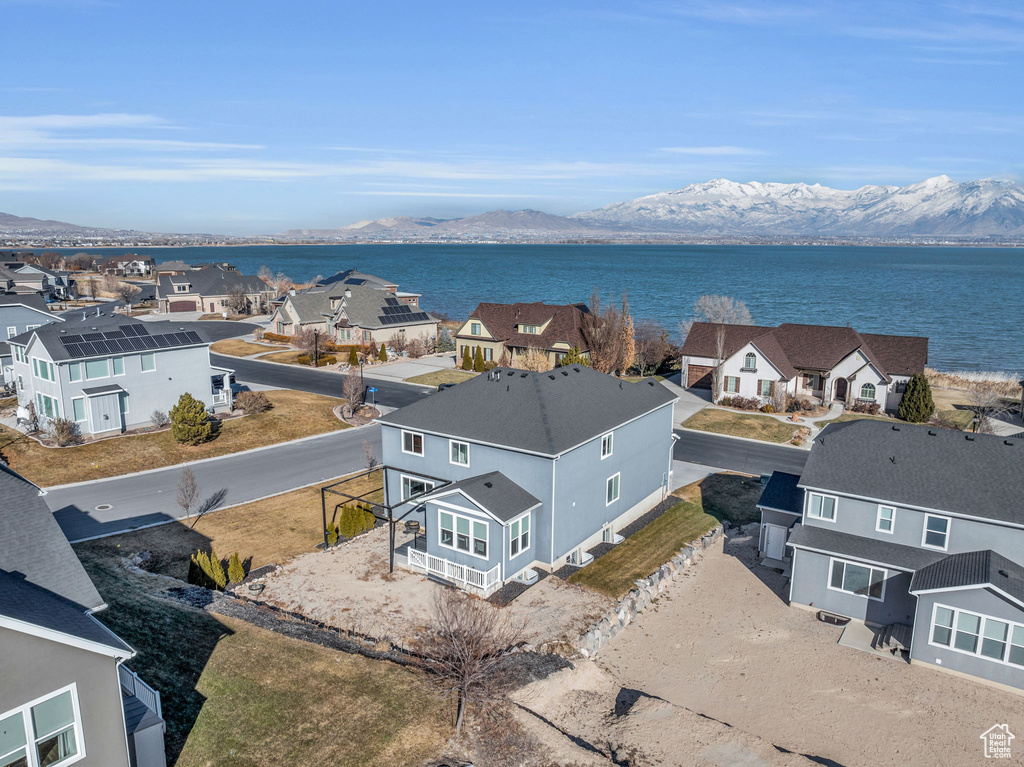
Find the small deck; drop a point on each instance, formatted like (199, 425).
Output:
(883, 641)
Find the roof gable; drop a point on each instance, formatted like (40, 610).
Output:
(564, 323)
(493, 493)
(973, 568)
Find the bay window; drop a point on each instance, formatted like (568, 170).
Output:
(979, 635)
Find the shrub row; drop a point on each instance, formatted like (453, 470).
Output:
(278, 338)
(742, 403)
(208, 571)
(354, 520)
(871, 408)
(323, 360)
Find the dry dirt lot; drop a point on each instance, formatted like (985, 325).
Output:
(350, 588)
(722, 643)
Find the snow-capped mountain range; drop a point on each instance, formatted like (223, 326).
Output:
(936, 206)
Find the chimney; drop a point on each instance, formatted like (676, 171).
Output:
(348, 293)
(291, 291)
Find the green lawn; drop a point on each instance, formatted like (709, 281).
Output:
(646, 550)
(442, 376)
(740, 424)
(236, 695)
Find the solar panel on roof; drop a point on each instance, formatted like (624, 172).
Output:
(134, 330)
(92, 336)
(75, 350)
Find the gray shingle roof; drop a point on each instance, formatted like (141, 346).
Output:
(372, 308)
(858, 547)
(100, 336)
(22, 600)
(33, 301)
(355, 277)
(973, 568)
(210, 282)
(310, 306)
(782, 494)
(977, 475)
(545, 413)
(493, 492)
(32, 544)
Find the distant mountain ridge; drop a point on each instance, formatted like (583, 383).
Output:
(12, 223)
(936, 206)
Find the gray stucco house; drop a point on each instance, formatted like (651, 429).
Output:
(65, 697)
(913, 528)
(109, 373)
(514, 470)
(19, 314)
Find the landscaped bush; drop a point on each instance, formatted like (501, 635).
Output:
(725, 402)
(278, 338)
(767, 408)
(190, 424)
(353, 357)
(252, 402)
(746, 403)
(871, 408)
(207, 571)
(236, 573)
(159, 418)
(354, 520)
(800, 405)
(490, 365)
(332, 535)
(323, 361)
(64, 432)
(416, 348)
(467, 359)
(382, 355)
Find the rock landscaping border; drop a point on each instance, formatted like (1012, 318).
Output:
(647, 589)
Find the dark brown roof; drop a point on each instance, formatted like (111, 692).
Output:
(501, 320)
(791, 347)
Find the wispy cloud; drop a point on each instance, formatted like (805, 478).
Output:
(471, 195)
(712, 150)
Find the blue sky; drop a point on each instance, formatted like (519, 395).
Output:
(257, 117)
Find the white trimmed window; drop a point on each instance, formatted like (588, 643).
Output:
(607, 445)
(978, 635)
(412, 443)
(822, 506)
(43, 369)
(459, 452)
(148, 362)
(19, 353)
(857, 579)
(96, 369)
(78, 408)
(462, 534)
(867, 391)
(45, 732)
(936, 532)
(414, 486)
(531, 329)
(611, 492)
(75, 371)
(519, 536)
(732, 384)
(118, 365)
(886, 520)
(750, 361)
(46, 406)
(12, 331)
(764, 387)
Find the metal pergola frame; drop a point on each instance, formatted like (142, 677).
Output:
(385, 511)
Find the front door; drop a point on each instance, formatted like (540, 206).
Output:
(841, 387)
(775, 542)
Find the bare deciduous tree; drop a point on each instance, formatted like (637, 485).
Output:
(280, 282)
(988, 405)
(608, 329)
(127, 292)
(371, 458)
(238, 301)
(188, 493)
(109, 284)
(48, 259)
(721, 309)
(716, 370)
(398, 343)
(780, 397)
(466, 650)
(416, 348)
(353, 391)
(651, 341)
(533, 359)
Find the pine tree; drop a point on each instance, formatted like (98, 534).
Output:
(467, 361)
(196, 576)
(574, 357)
(917, 405)
(478, 360)
(444, 341)
(353, 358)
(189, 422)
(236, 573)
(205, 575)
(354, 520)
(383, 354)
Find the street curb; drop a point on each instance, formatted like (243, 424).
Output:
(207, 460)
(212, 511)
(744, 439)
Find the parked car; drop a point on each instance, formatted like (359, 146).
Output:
(442, 387)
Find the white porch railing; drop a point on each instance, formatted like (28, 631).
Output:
(485, 581)
(221, 398)
(132, 685)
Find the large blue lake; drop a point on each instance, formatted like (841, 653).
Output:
(968, 301)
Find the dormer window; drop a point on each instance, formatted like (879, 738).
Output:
(750, 361)
(531, 329)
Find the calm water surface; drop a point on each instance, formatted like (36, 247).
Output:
(968, 301)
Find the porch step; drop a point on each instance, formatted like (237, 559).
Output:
(528, 576)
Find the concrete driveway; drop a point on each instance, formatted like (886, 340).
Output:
(409, 368)
(690, 400)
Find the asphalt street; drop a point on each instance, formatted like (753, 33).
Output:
(149, 498)
(392, 394)
(738, 455)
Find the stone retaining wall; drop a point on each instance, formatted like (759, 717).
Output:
(647, 589)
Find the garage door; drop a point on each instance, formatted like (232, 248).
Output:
(183, 306)
(698, 376)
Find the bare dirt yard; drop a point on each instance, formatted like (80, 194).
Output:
(350, 588)
(722, 642)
